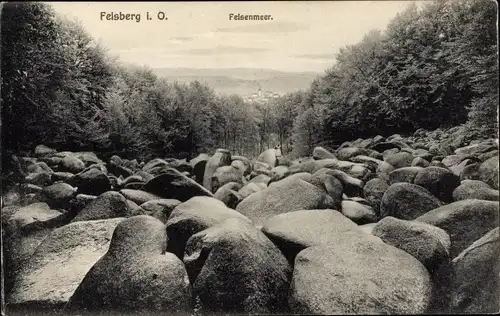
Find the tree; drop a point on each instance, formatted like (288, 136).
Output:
(473, 47)
(31, 72)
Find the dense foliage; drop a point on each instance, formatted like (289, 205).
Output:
(54, 79)
(60, 88)
(434, 66)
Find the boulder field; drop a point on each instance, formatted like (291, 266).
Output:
(385, 225)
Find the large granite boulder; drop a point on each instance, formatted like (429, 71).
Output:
(23, 229)
(110, 204)
(429, 244)
(139, 196)
(407, 201)
(250, 188)
(295, 231)
(92, 181)
(222, 157)
(488, 172)
(358, 275)
(293, 193)
(465, 221)
(72, 164)
(160, 209)
(172, 184)
(373, 191)
(235, 268)
(59, 194)
(405, 174)
(193, 216)
(359, 213)
(477, 277)
(400, 159)
(439, 181)
(470, 172)
(269, 156)
(351, 186)
(135, 273)
(155, 163)
(224, 175)
(199, 163)
(48, 279)
(228, 194)
(475, 189)
(322, 153)
(348, 152)
(383, 170)
(261, 178)
(32, 217)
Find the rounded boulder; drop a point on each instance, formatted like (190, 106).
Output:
(136, 273)
(407, 201)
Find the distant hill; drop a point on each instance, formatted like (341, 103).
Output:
(242, 81)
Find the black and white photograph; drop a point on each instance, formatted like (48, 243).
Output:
(249, 158)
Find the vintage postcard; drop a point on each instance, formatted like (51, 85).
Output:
(274, 157)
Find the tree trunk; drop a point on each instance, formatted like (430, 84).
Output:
(281, 140)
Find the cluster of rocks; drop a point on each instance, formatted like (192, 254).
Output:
(377, 226)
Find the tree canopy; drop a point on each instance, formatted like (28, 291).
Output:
(434, 66)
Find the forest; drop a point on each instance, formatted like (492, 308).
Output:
(435, 66)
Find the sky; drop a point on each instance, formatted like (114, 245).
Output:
(302, 36)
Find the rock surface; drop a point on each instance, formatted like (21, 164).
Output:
(34, 217)
(107, 205)
(235, 268)
(290, 194)
(358, 213)
(405, 174)
(477, 275)
(172, 184)
(474, 189)
(407, 201)
(59, 264)
(138, 196)
(429, 244)
(488, 172)
(59, 194)
(373, 191)
(135, 273)
(358, 276)
(295, 231)
(193, 216)
(439, 181)
(465, 221)
(221, 158)
(92, 181)
(383, 225)
(160, 209)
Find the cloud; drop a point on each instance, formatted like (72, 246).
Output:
(208, 35)
(181, 39)
(269, 27)
(329, 56)
(134, 50)
(221, 49)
